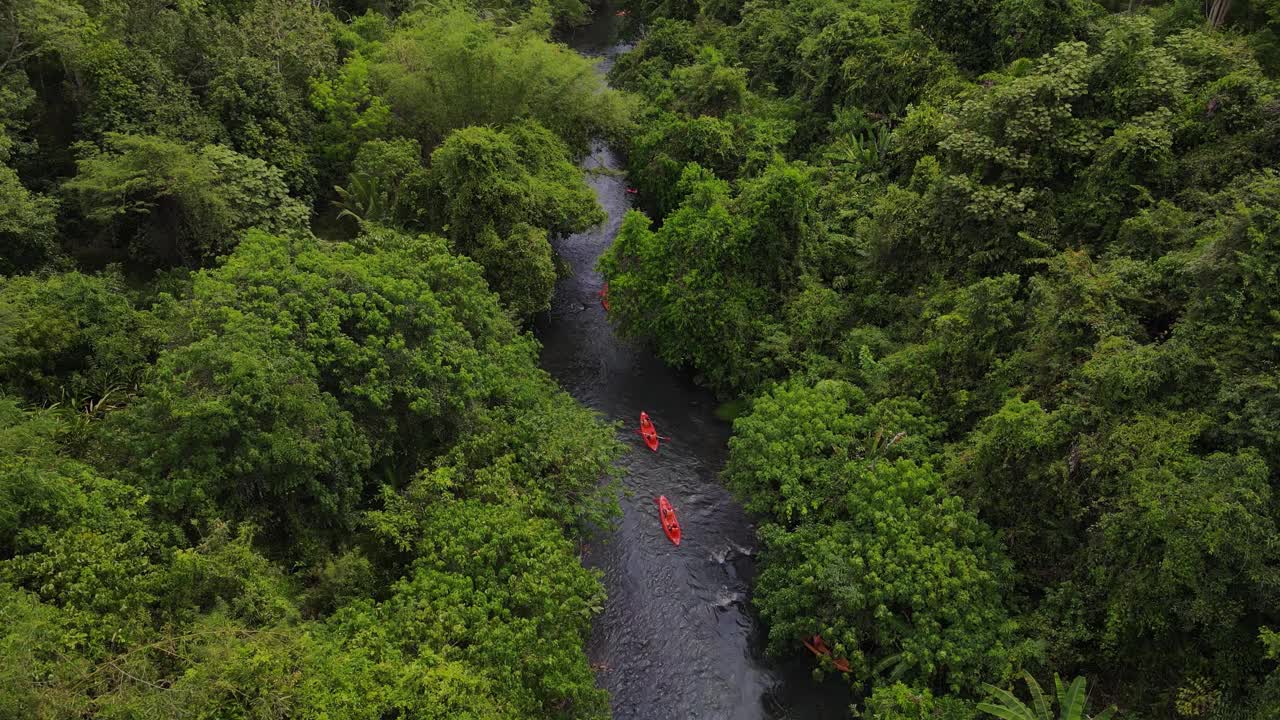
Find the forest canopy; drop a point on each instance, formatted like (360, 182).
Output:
(261, 456)
(995, 284)
(998, 284)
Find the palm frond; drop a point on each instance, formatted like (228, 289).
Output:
(1037, 697)
(1002, 712)
(1072, 706)
(1010, 702)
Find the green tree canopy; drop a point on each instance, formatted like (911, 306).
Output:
(71, 337)
(870, 550)
(445, 70)
(162, 203)
(28, 231)
(499, 194)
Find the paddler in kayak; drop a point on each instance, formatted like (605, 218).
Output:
(818, 647)
(667, 516)
(648, 431)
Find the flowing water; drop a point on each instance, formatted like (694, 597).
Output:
(676, 638)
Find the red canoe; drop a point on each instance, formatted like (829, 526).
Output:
(667, 515)
(819, 648)
(604, 297)
(648, 431)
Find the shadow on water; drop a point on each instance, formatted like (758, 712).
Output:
(605, 36)
(676, 638)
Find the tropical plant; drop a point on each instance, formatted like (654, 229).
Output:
(363, 200)
(1072, 700)
(865, 150)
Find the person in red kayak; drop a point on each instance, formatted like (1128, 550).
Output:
(648, 431)
(667, 516)
(819, 647)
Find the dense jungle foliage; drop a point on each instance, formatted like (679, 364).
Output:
(249, 472)
(1000, 283)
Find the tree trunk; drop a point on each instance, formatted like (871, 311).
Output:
(1217, 12)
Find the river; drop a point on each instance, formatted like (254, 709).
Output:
(676, 639)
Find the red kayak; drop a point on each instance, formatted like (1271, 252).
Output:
(648, 431)
(604, 297)
(819, 648)
(667, 515)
